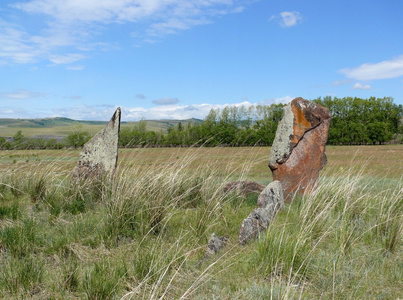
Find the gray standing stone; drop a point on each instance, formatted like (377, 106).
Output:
(100, 154)
(270, 201)
(282, 147)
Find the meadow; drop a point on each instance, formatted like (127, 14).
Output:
(62, 127)
(143, 234)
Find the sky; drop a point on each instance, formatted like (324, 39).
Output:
(177, 59)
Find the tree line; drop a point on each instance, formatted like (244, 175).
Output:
(230, 126)
(355, 121)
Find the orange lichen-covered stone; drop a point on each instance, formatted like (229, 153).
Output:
(298, 151)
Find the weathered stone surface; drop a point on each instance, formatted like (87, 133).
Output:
(272, 193)
(298, 151)
(270, 202)
(100, 154)
(244, 187)
(215, 244)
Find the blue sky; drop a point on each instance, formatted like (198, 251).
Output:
(178, 59)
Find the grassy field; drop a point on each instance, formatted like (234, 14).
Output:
(62, 127)
(144, 234)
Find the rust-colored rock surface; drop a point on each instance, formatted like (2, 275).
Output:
(298, 151)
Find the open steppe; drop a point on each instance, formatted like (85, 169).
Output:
(143, 235)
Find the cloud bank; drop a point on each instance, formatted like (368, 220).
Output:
(104, 112)
(373, 71)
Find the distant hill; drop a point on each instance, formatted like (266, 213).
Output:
(61, 127)
(43, 123)
(157, 125)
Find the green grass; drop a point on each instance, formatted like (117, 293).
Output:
(143, 235)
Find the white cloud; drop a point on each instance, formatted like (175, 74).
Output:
(17, 45)
(372, 71)
(85, 112)
(288, 18)
(360, 86)
(166, 101)
(118, 11)
(21, 95)
(66, 58)
(181, 112)
(11, 112)
(74, 24)
(7, 111)
(282, 100)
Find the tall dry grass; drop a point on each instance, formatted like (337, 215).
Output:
(143, 233)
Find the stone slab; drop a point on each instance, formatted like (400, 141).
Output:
(298, 155)
(100, 154)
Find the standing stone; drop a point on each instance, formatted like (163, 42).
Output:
(270, 201)
(298, 151)
(100, 154)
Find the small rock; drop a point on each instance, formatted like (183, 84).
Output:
(244, 187)
(270, 201)
(215, 244)
(272, 193)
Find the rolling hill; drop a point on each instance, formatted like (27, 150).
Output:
(61, 127)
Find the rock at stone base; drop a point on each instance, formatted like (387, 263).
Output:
(272, 193)
(270, 201)
(298, 151)
(244, 187)
(100, 154)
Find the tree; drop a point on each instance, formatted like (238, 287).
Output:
(379, 132)
(78, 138)
(2, 142)
(18, 137)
